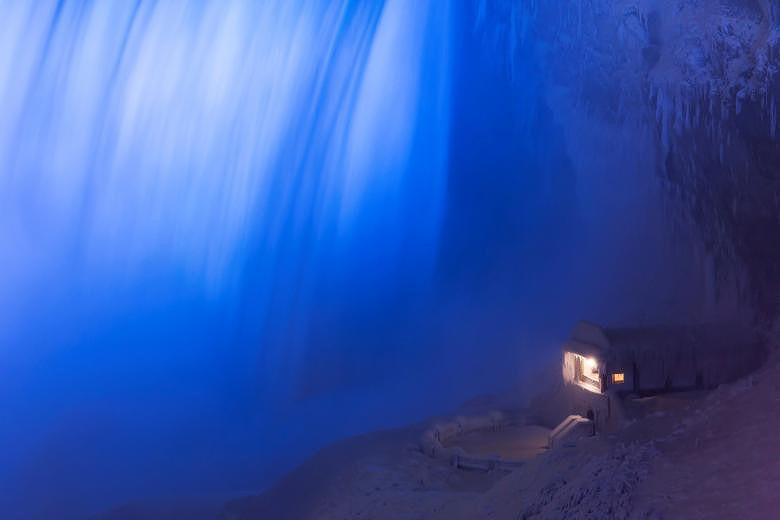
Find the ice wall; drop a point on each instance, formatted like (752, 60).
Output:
(689, 89)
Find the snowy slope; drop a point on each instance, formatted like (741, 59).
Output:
(692, 455)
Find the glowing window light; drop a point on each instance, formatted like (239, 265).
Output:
(588, 374)
(619, 378)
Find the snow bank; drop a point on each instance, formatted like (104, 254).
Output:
(602, 488)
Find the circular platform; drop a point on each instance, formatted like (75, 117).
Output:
(511, 443)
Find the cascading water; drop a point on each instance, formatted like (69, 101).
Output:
(182, 184)
(148, 136)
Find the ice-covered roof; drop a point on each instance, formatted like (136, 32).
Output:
(583, 349)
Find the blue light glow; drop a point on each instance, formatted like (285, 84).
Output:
(232, 231)
(180, 184)
(163, 135)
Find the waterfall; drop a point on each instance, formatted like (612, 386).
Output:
(163, 135)
(186, 185)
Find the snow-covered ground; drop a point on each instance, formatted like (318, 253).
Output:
(696, 455)
(722, 456)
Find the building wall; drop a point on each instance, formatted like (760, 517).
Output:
(625, 368)
(683, 358)
(551, 407)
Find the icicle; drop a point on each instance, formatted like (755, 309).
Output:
(740, 98)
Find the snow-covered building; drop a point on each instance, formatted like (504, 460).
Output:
(648, 360)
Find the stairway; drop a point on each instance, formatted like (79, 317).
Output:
(571, 429)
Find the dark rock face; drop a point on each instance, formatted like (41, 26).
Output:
(701, 78)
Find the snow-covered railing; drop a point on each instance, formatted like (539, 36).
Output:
(433, 441)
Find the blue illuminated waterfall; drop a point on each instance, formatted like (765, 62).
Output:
(233, 231)
(145, 135)
(185, 187)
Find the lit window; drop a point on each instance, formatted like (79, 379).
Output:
(583, 371)
(619, 378)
